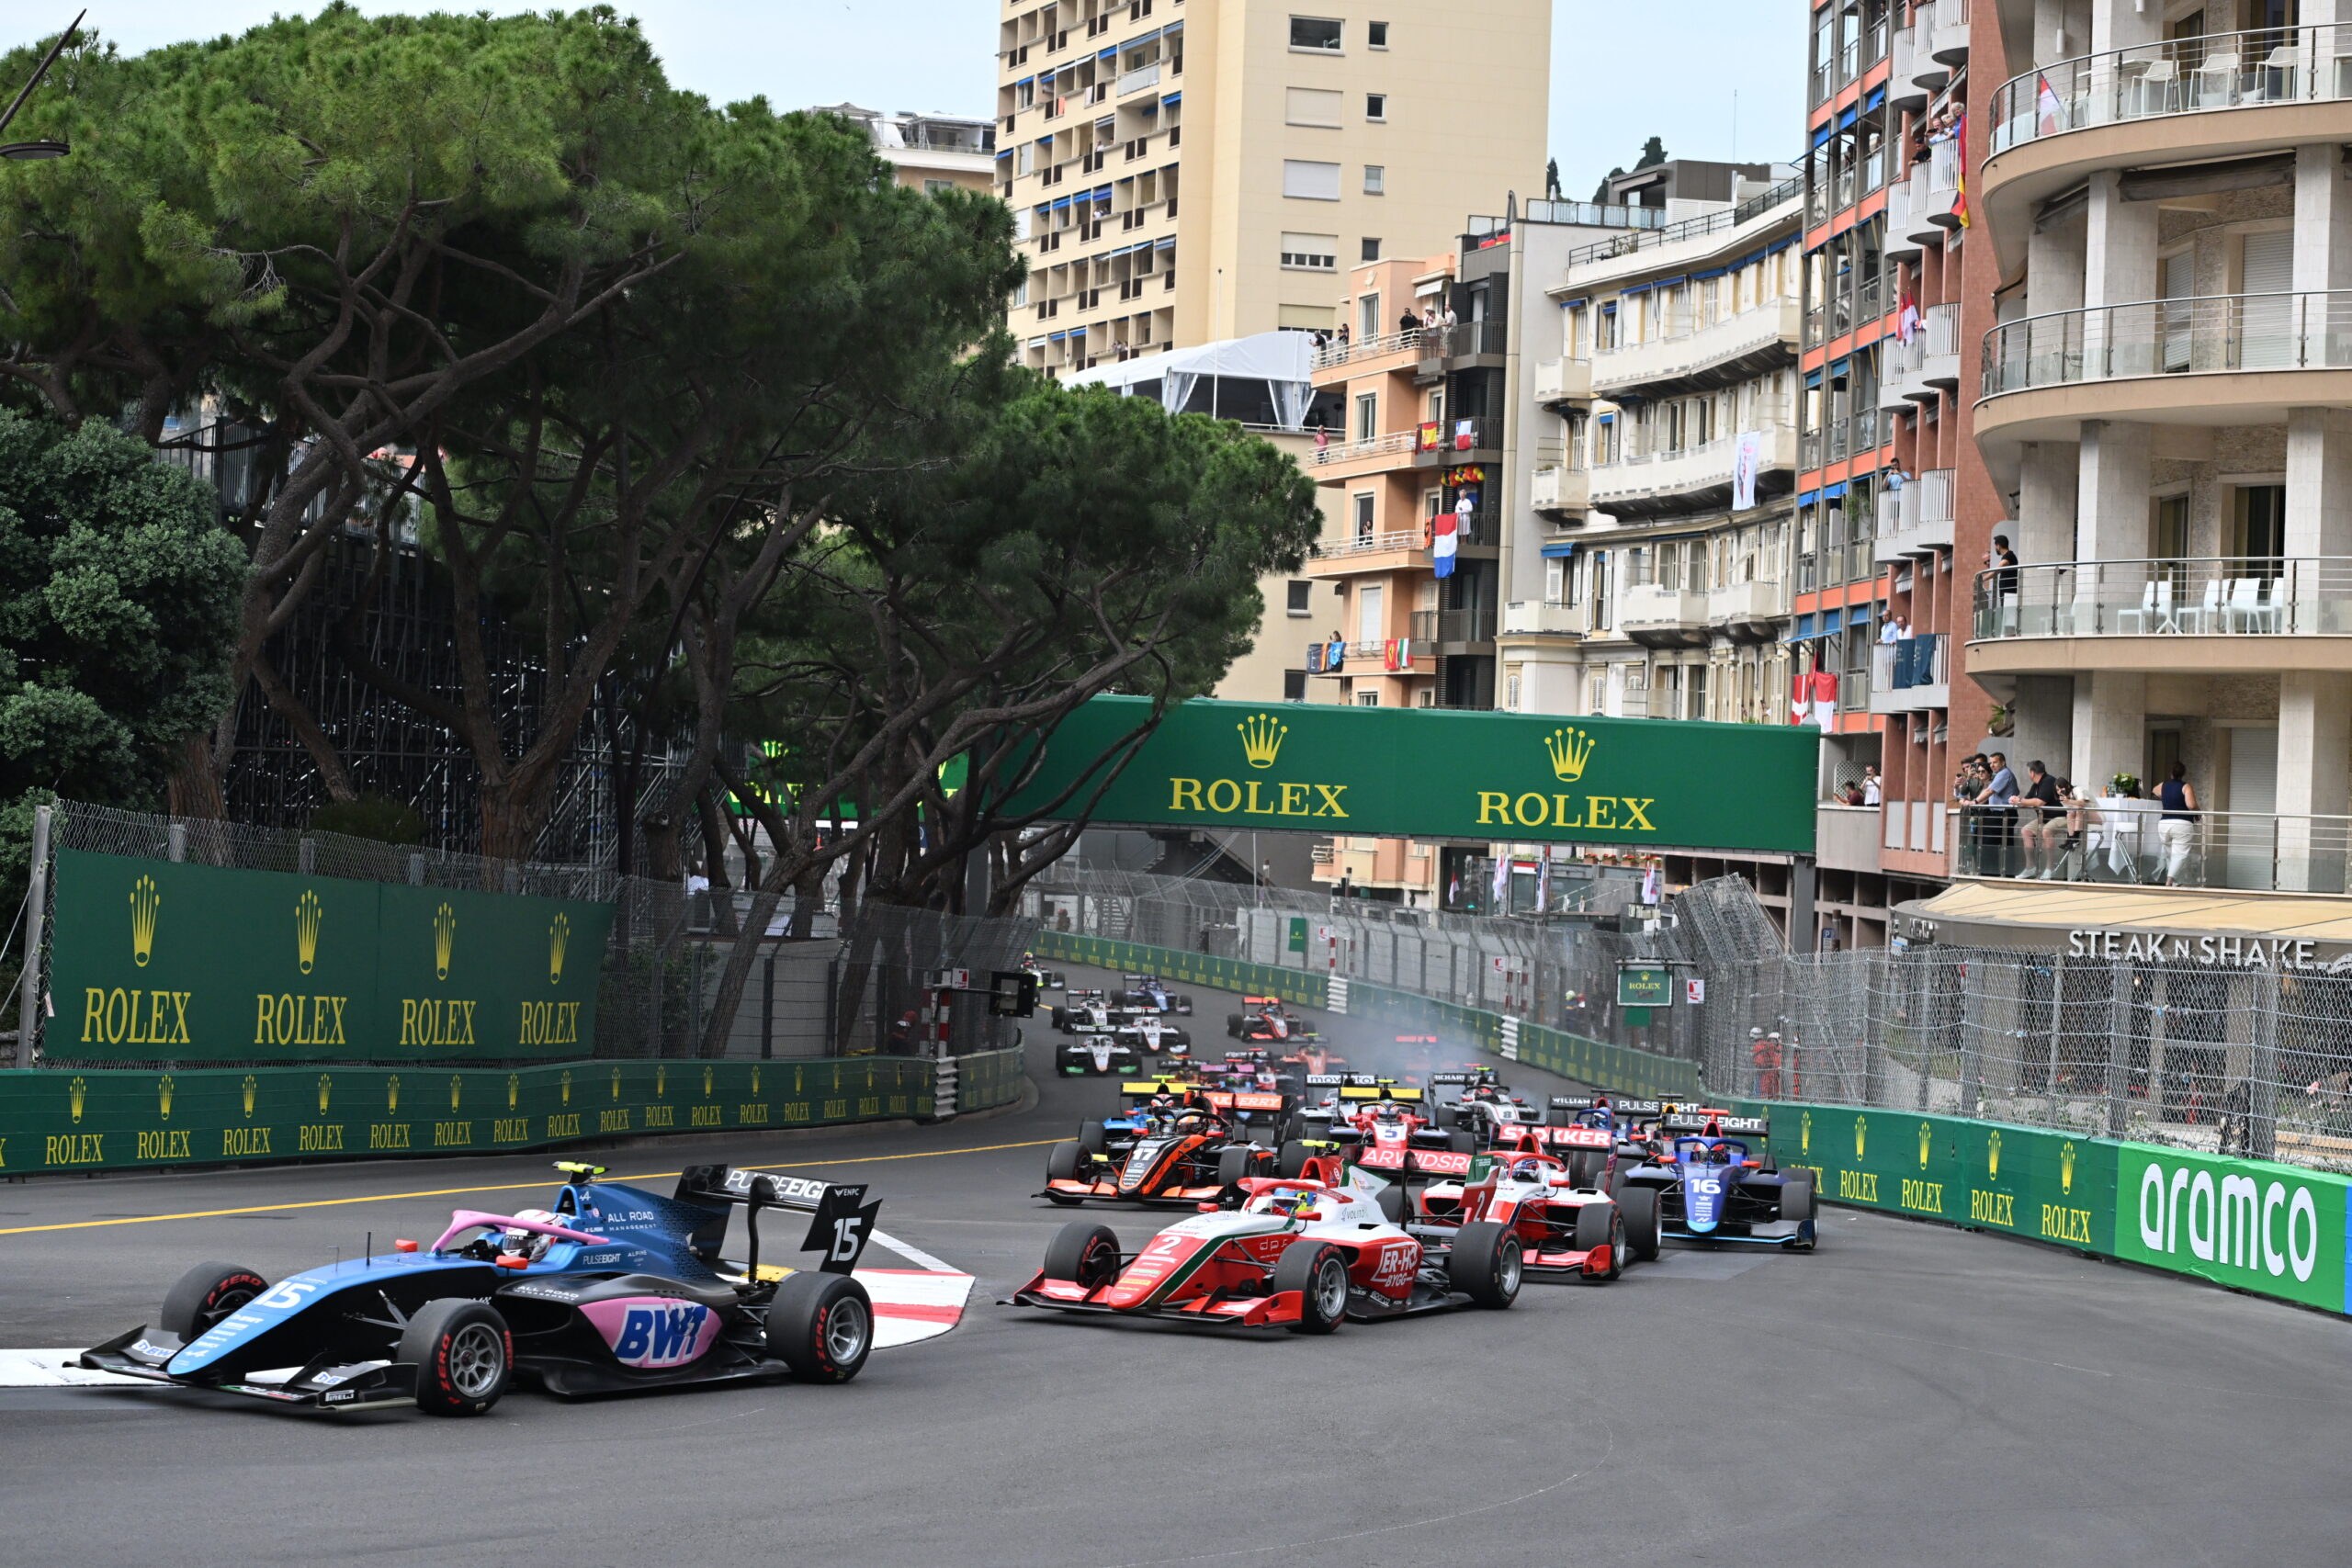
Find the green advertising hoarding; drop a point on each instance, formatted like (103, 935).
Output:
(158, 961)
(2274, 1229)
(1434, 774)
(1644, 985)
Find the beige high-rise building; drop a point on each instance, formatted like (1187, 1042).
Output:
(1186, 171)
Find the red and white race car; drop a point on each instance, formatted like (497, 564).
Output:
(1563, 1226)
(1384, 1127)
(1299, 1254)
(1265, 1018)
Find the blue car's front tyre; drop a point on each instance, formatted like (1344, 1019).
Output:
(463, 1354)
(822, 1326)
(206, 1294)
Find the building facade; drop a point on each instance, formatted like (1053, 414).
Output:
(929, 151)
(1186, 171)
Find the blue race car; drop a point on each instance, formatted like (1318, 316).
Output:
(1711, 1188)
(615, 1288)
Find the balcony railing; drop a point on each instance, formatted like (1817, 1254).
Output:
(1373, 544)
(1136, 81)
(1559, 489)
(1561, 381)
(1537, 617)
(1746, 603)
(1371, 657)
(1396, 442)
(2176, 77)
(1454, 626)
(1912, 662)
(1689, 228)
(1685, 354)
(2206, 597)
(1462, 339)
(1448, 440)
(2124, 841)
(1338, 353)
(2171, 337)
(1667, 473)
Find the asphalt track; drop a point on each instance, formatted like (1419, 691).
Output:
(1909, 1395)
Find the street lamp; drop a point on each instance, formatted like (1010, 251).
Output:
(33, 151)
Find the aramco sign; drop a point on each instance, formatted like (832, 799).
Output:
(1418, 773)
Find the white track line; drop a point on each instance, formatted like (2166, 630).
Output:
(915, 1255)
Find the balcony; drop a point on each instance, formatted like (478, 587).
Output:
(2117, 842)
(1562, 380)
(1445, 441)
(1734, 349)
(1136, 81)
(1926, 71)
(1905, 365)
(1915, 520)
(2172, 77)
(2208, 615)
(1464, 340)
(1747, 612)
(1347, 460)
(1658, 616)
(1674, 482)
(1333, 355)
(1458, 629)
(1374, 657)
(1944, 33)
(1912, 676)
(1536, 618)
(2182, 351)
(1901, 91)
(1939, 365)
(1900, 245)
(1406, 550)
(1560, 489)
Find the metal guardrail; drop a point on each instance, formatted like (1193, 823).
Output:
(2191, 596)
(1396, 441)
(2170, 337)
(1690, 228)
(2132, 840)
(2309, 63)
(1332, 355)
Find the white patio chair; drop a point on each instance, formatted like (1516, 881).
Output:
(2142, 619)
(2217, 80)
(2243, 609)
(2201, 619)
(2152, 86)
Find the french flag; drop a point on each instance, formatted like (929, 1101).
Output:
(1444, 530)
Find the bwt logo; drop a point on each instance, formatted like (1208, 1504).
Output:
(662, 1336)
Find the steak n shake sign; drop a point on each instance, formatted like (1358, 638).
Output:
(1427, 773)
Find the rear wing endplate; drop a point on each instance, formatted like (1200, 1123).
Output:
(841, 1220)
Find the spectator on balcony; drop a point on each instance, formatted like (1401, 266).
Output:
(1408, 323)
(1335, 652)
(1891, 629)
(1874, 790)
(1342, 341)
(1446, 317)
(1850, 796)
(1895, 479)
(2041, 827)
(2176, 822)
(1993, 816)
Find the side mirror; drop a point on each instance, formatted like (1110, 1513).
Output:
(1308, 1215)
(403, 1247)
(512, 1260)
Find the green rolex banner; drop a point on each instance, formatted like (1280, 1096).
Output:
(156, 961)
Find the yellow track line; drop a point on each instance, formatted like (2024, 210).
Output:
(509, 1187)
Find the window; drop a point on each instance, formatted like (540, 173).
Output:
(1294, 685)
(1368, 315)
(1303, 318)
(1375, 180)
(1316, 253)
(1362, 499)
(1375, 35)
(1367, 699)
(1302, 597)
(1555, 580)
(1310, 181)
(1511, 688)
(1371, 249)
(1315, 32)
(1375, 106)
(1312, 105)
(936, 188)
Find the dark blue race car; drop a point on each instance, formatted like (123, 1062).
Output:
(1711, 1187)
(614, 1289)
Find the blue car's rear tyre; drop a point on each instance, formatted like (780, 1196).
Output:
(206, 1294)
(463, 1355)
(822, 1326)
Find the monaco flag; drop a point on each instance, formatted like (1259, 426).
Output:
(1444, 532)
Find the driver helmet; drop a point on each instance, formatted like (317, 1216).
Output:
(532, 1245)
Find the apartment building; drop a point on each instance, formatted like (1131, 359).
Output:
(1187, 171)
(929, 151)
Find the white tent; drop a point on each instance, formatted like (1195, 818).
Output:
(1283, 360)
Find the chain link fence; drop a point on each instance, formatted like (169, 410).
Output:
(2253, 1061)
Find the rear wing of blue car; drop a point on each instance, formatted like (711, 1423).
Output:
(841, 1220)
(1724, 1126)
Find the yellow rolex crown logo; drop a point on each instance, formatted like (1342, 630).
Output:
(1805, 1133)
(456, 1090)
(661, 1082)
(558, 938)
(1261, 738)
(393, 1093)
(445, 937)
(307, 915)
(144, 901)
(326, 1091)
(1925, 1134)
(2065, 1168)
(514, 1089)
(163, 1096)
(567, 1088)
(706, 1075)
(1570, 748)
(75, 1093)
(250, 1087)
(1993, 1158)
(617, 1083)
(1862, 1130)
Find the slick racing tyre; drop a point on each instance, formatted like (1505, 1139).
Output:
(1644, 1231)
(1083, 1253)
(1093, 1137)
(1462, 1142)
(1319, 1274)
(1599, 1224)
(1292, 1161)
(463, 1355)
(1485, 1264)
(1391, 1204)
(1234, 1165)
(1585, 1167)
(206, 1294)
(1232, 1024)
(1796, 1197)
(822, 1326)
(1062, 1164)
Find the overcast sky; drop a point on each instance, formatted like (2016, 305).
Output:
(1609, 87)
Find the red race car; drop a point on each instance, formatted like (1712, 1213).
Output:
(1562, 1228)
(1300, 1254)
(1265, 1018)
(1385, 1128)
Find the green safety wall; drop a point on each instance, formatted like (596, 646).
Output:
(2277, 1230)
(1303, 988)
(987, 1078)
(56, 1119)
